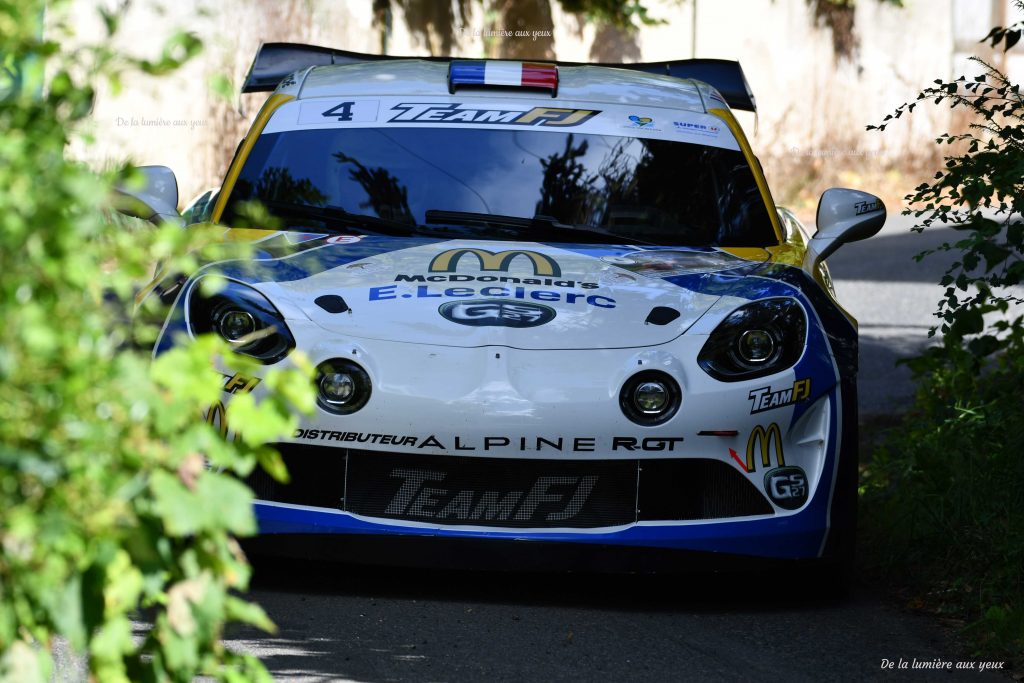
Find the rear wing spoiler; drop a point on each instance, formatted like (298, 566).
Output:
(274, 61)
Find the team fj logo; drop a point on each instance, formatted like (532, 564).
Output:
(866, 207)
(455, 112)
(448, 261)
(765, 399)
(641, 121)
(423, 494)
(216, 415)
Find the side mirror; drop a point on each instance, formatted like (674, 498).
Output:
(156, 201)
(843, 216)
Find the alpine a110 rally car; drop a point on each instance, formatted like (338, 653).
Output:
(552, 306)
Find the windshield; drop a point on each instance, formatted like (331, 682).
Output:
(508, 184)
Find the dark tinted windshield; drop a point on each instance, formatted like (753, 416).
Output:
(644, 190)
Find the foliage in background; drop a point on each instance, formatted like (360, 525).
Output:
(107, 503)
(943, 496)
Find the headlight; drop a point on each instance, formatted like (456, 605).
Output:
(755, 340)
(244, 318)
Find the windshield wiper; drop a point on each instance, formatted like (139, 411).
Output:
(336, 214)
(548, 227)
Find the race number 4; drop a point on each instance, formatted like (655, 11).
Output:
(342, 111)
(336, 110)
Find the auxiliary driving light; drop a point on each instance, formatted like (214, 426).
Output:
(650, 397)
(343, 387)
(337, 388)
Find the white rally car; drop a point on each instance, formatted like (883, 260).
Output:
(549, 304)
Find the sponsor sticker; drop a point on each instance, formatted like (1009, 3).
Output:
(343, 239)
(457, 112)
(763, 441)
(637, 122)
(693, 128)
(765, 398)
(496, 313)
(216, 415)
(866, 207)
(443, 269)
(787, 487)
(448, 261)
(487, 444)
(549, 499)
(391, 292)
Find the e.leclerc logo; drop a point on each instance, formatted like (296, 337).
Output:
(443, 267)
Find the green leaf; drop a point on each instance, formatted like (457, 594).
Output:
(228, 503)
(67, 613)
(273, 464)
(181, 512)
(248, 613)
(108, 647)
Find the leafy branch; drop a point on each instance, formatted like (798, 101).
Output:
(978, 193)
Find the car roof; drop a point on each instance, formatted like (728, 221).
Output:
(415, 77)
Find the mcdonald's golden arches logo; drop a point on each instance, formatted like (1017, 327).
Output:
(761, 439)
(448, 261)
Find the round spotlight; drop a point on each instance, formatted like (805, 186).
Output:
(235, 324)
(650, 398)
(755, 346)
(343, 387)
(337, 388)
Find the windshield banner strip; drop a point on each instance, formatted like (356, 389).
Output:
(459, 111)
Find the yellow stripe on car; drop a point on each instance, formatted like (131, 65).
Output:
(755, 166)
(272, 104)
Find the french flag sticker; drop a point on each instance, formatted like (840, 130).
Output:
(503, 74)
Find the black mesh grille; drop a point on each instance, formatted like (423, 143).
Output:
(317, 477)
(696, 489)
(510, 493)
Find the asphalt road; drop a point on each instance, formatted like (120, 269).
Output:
(346, 623)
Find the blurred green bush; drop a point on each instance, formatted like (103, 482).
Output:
(107, 504)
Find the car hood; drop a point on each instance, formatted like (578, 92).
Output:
(479, 293)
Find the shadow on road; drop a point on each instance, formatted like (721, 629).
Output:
(890, 257)
(703, 591)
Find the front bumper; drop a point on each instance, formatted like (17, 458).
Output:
(793, 537)
(711, 508)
